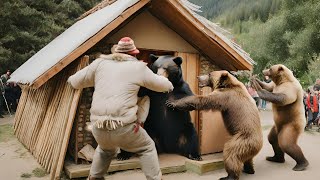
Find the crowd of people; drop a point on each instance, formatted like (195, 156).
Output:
(10, 94)
(312, 102)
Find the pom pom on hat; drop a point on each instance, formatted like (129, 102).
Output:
(126, 45)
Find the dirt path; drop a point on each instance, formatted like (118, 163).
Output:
(17, 163)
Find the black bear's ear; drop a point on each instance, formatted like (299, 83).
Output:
(153, 58)
(178, 60)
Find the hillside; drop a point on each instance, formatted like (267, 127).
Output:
(273, 31)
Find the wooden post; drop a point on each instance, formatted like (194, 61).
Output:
(56, 174)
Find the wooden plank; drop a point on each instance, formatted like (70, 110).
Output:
(210, 162)
(184, 64)
(169, 163)
(193, 72)
(193, 69)
(213, 132)
(73, 109)
(88, 44)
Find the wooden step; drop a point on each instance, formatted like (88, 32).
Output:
(209, 163)
(169, 163)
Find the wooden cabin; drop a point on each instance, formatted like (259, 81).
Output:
(51, 117)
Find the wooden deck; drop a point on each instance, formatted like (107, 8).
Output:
(169, 163)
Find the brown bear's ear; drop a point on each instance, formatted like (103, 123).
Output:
(153, 58)
(280, 68)
(224, 74)
(178, 60)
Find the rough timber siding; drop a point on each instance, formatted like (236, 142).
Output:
(207, 66)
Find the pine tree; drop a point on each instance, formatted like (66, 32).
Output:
(28, 25)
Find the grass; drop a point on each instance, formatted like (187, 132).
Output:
(26, 175)
(6, 132)
(39, 172)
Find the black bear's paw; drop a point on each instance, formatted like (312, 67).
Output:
(275, 159)
(124, 156)
(195, 157)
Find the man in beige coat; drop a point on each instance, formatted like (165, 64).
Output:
(117, 79)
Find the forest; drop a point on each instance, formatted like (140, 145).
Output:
(28, 25)
(271, 31)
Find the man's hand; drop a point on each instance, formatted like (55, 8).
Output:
(137, 126)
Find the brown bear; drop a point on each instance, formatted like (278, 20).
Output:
(240, 116)
(286, 95)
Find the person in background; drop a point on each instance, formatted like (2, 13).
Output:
(264, 102)
(316, 87)
(305, 95)
(3, 87)
(313, 107)
(116, 79)
(253, 93)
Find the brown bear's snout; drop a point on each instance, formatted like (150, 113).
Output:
(266, 72)
(203, 80)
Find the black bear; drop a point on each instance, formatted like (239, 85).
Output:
(171, 130)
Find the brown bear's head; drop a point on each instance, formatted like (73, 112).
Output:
(279, 73)
(218, 79)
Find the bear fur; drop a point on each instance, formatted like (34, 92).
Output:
(286, 95)
(171, 130)
(240, 116)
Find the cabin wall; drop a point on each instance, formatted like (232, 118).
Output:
(213, 133)
(150, 33)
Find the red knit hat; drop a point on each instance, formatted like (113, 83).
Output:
(126, 45)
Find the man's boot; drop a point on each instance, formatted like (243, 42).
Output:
(93, 178)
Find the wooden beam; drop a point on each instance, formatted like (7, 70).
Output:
(88, 44)
(172, 13)
(73, 109)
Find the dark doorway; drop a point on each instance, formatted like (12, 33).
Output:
(145, 53)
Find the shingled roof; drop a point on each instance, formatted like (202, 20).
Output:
(180, 15)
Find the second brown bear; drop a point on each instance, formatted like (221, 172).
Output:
(240, 116)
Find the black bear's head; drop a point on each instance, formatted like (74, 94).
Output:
(168, 66)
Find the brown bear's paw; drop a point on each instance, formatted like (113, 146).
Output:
(301, 166)
(275, 159)
(229, 178)
(248, 169)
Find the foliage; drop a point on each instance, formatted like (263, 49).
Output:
(291, 37)
(39, 172)
(6, 133)
(273, 31)
(28, 25)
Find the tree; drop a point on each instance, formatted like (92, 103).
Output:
(28, 25)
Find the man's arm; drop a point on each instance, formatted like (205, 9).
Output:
(156, 82)
(85, 77)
